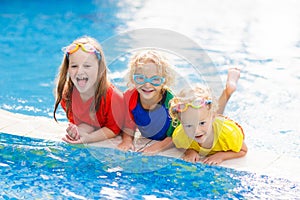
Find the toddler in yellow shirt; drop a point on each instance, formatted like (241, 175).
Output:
(202, 131)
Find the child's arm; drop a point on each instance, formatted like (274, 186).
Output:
(159, 146)
(219, 157)
(127, 141)
(97, 135)
(88, 134)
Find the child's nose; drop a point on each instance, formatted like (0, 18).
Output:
(147, 84)
(198, 129)
(80, 69)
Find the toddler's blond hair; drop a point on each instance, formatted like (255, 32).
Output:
(189, 95)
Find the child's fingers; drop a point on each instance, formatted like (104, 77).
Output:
(188, 159)
(70, 140)
(73, 129)
(67, 139)
(77, 136)
(74, 132)
(192, 158)
(123, 148)
(68, 129)
(70, 125)
(132, 148)
(148, 151)
(76, 141)
(70, 134)
(205, 160)
(210, 161)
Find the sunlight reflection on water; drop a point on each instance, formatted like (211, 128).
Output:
(261, 37)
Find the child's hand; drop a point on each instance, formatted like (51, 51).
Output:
(151, 150)
(214, 159)
(157, 146)
(73, 132)
(191, 156)
(72, 135)
(70, 140)
(126, 145)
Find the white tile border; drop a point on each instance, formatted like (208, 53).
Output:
(266, 163)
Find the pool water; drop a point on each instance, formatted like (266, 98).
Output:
(32, 35)
(249, 34)
(39, 169)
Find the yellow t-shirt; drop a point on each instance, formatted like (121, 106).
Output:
(228, 136)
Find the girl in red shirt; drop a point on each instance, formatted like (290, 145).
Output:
(92, 104)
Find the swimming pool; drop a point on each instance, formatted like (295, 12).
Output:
(266, 103)
(32, 168)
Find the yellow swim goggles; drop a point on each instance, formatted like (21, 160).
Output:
(197, 103)
(88, 48)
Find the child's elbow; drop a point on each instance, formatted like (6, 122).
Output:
(244, 150)
(243, 153)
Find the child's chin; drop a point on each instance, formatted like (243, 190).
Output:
(199, 139)
(147, 95)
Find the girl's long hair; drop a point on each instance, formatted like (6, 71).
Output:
(64, 85)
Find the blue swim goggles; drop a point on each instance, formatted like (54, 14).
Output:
(154, 80)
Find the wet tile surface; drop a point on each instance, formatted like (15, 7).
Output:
(266, 163)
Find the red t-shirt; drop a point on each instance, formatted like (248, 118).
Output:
(108, 115)
(131, 98)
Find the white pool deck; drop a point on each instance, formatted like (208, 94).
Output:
(264, 163)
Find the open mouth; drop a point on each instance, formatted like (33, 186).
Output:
(198, 137)
(147, 91)
(82, 81)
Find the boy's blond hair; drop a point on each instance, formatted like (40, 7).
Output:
(189, 95)
(151, 56)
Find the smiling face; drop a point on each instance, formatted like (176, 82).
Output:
(83, 71)
(197, 124)
(148, 93)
